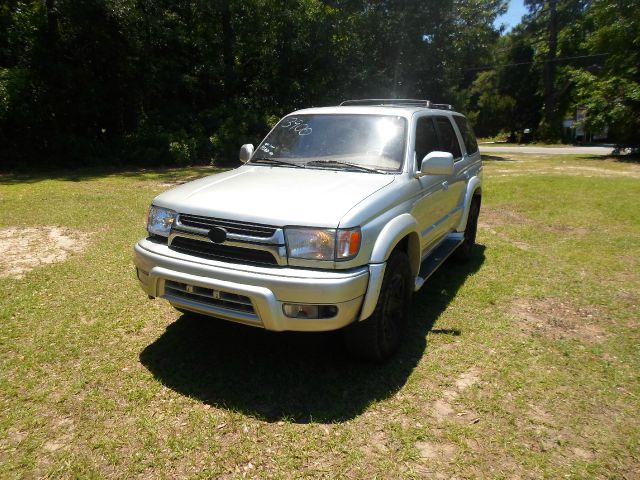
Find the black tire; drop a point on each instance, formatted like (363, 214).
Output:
(379, 336)
(465, 251)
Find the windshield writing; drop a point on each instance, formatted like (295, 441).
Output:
(329, 141)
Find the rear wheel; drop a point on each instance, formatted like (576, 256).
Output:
(465, 251)
(379, 336)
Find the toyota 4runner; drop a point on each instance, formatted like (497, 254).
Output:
(338, 216)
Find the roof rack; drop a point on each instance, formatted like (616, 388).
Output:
(442, 106)
(400, 102)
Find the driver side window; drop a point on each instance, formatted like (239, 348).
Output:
(448, 138)
(426, 139)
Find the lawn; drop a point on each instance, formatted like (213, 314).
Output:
(523, 363)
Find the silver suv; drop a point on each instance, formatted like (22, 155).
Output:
(338, 216)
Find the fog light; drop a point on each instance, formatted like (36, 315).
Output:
(300, 311)
(297, 310)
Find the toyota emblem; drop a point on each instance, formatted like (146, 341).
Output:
(217, 235)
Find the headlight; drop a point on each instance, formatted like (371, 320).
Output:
(160, 220)
(323, 243)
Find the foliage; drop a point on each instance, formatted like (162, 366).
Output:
(174, 82)
(153, 82)
(502, 99)
(611, 102)
(611, 93)
(494, 108)
(566, 54)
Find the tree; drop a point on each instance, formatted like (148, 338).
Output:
(179, 81)
(505, 97)
(554, 28)
(611, 92)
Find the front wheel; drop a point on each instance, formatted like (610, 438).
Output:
(464, 252)
(379, 336)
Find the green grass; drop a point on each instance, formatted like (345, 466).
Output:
(522, 363)
(499, 143)
(503, 141)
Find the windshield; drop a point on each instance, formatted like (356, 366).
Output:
(363, 142)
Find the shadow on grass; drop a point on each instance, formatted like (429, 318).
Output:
(629, 158)
(96, 173)
(299, 377)
(495, 158)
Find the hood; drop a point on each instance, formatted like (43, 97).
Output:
(276, 196)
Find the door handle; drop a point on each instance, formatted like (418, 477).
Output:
(445, 185)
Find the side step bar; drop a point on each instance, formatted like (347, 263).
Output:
(437, 258)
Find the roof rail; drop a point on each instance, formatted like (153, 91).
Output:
(442, 106)
(401, 102)
(388, 101)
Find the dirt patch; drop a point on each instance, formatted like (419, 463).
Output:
(564, 229)
(631, 300)
(597, 171)
(540, 416)
(445, 408)
(376, 444)
(172, 184)
(175, 182)
(467, 379)
(551, 435)
(24, 248)
(583, 454)
(557, 320)
(520, 172)
(568, 170)
(442, 409)
(490, 218)
(15, 436)
(436, 451)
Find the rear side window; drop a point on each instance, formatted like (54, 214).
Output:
(469, 138)
(426, 138)
(448, 138)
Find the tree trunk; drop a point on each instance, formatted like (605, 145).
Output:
(550, 97)
(228, 41)
(52, 19)
(398, 88)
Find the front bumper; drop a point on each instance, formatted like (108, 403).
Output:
(247, 294)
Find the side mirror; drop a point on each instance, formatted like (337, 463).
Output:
(245, 152)
(437, 163)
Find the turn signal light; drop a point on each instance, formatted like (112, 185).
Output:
(348, 243)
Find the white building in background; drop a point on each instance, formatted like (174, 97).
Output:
(574, 129)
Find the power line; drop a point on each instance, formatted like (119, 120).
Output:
(490, 67)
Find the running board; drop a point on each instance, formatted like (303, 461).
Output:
(437, 258)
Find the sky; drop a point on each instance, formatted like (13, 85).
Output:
(513, 15)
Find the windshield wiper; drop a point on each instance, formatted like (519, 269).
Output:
(276, 161)
(353, 166)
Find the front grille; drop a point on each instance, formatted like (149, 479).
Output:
(228, 301)
(239, 228)
(224, 253)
